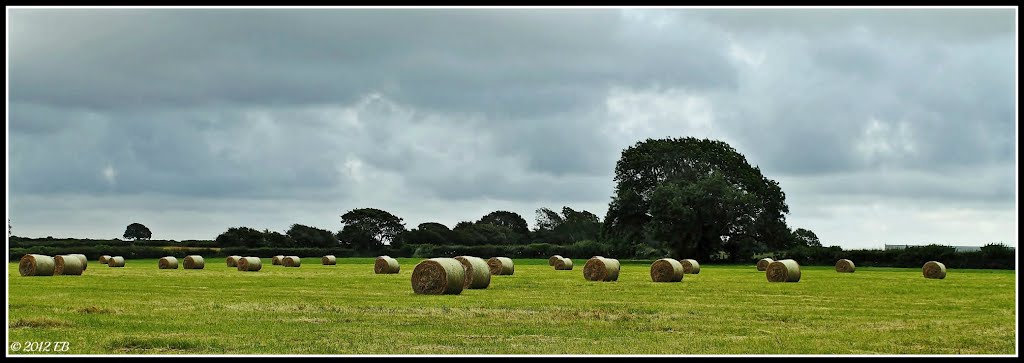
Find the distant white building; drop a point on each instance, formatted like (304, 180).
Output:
(957, 248)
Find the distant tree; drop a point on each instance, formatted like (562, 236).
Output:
(423, 236)
(430, 233)
(570, 215)
(241, 237)
(805, 237)
(493, 234)
(306, 236)
(358, 239)
(466, 234)
(548, 220)
(569, 227)
(433, 226)
(742, 247)
(993, 251)
(137, 231)
(511, 220)
(579, 225)
(920, 254)
(370, 228)
(278, 239)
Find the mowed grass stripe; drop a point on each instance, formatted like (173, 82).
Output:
(347, 309)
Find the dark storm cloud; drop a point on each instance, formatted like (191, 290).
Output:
(500, 62)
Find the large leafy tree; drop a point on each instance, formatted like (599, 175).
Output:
(370, 229)
(695, 197)
(137, 231)
(510, 220)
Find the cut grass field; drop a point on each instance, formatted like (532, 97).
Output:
(347, 309)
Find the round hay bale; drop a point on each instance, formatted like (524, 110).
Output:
(194, 262)
(783, 271)
(329, 260)
(85, 261)
(553, 259)
(67, 265)
(168, 263)
(291, 261)
(934, 270)
(438, 276)
(249, 264)
(601, 269)
(36, 265)
(845, 266)
(690, 266)
(277, 260)
(233, 261)
(501, 266)
(667, 270)
(563, 263)
(104, 259)
(386, 265)
(478, 273)
(116, 261)
(763, 264)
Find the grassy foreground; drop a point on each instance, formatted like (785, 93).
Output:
(347, 309)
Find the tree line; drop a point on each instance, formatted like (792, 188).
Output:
(673, 197)
(374, 230)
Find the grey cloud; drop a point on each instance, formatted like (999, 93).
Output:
(531, 188)
(957, 24)
(952, 100)
(175, 153)
(968, 186)
(463, 158)
(478, 108)
(507, 63)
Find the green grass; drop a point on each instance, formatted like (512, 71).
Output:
(346, 309)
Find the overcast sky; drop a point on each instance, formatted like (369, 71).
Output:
(882, 126)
